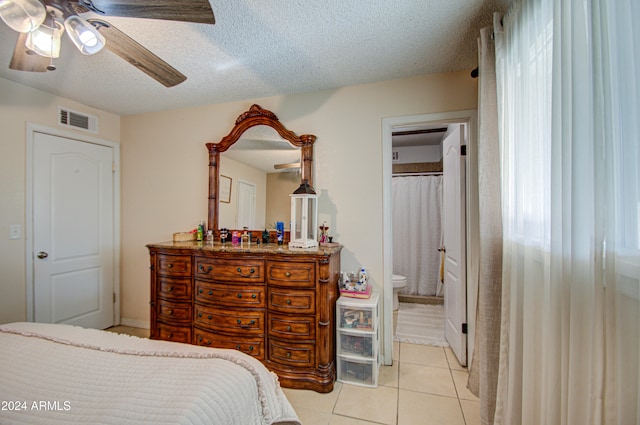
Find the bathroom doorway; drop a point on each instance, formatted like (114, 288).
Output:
(457, 306)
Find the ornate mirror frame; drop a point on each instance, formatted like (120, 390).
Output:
(251, 118)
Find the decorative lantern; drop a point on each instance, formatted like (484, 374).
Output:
(304, 217)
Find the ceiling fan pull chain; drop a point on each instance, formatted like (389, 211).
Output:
(51, 66)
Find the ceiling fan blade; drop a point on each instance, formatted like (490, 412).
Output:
(285, 166)
(137, 55)
(25, 60)
(198, 11)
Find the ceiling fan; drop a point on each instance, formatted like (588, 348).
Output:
(41, 24)
(290, 165)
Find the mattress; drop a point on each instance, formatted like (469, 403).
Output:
(61, 374)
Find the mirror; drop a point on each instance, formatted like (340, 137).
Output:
(265, 170)
(258, 142)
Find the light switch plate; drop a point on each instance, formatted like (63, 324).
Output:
(15, 231)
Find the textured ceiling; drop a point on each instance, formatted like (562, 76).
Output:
(265, 48)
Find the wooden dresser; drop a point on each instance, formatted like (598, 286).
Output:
(270, 302)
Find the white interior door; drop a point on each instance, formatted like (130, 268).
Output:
(246, 205)
(454, 229)
(73, 232)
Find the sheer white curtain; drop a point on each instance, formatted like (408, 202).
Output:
(416, 207)
(568, 90)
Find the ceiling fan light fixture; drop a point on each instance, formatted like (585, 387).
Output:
(84, 35)
(22, 15)
(45, 40)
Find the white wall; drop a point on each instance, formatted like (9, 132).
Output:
(18, 105)
(165, 175)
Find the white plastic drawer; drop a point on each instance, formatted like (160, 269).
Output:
(358, 371)
(357, 344)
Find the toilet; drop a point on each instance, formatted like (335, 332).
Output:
(399, 282)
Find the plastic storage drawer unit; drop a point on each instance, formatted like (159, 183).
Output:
(358, 340)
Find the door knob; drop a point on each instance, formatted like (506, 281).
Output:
(42, 254)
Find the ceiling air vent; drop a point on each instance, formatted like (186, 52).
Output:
(77, 120)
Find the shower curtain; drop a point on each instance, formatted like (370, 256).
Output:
(416, 203)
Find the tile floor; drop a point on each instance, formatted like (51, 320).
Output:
(424, 386)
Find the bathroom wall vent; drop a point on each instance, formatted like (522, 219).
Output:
(77, 120)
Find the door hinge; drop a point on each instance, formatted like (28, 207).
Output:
(464, 328)
(463, 150)
(113, 166)
(114, 297)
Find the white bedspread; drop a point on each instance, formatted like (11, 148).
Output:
(59, 374)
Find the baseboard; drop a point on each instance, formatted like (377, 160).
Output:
(134, 323)
(420, 299)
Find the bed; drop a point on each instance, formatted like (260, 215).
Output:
(61, 374)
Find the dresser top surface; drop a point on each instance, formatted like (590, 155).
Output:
(253, 248)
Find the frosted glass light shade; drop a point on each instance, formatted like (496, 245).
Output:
(22, 15)
(45, 40)
(84, 35)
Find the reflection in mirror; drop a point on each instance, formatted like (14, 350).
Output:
(265, 169)
(244, 124)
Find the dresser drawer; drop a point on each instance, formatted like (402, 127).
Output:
(230, 321)
(302, 301)
(230, 295)
(174, 288)
(292, 354)
(173, 265)
(254, 346)
(297, 275)
(230, 271)
(173, 333)
(298, 327)
(174, 312)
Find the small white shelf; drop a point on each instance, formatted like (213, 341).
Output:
(358, 340)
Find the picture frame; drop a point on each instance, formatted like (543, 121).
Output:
(225, 189)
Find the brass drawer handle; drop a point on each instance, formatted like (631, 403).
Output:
(254, 296)
(200, 291)
(202, 270)
(238, 347)
(169, 266)
(239, 295)
(210, 292)
(287, 274)
(251, 348)
(288, 354)
(289, 328)
(251, 272)
(209, 317)
(246, 325)
(200, 315)
(170, 288)
(288, 302)
(170, 312)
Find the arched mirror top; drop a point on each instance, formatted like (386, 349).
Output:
(258, 116)
(255, 116)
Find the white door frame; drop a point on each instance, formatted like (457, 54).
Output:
(35, 128)
(468, 117)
